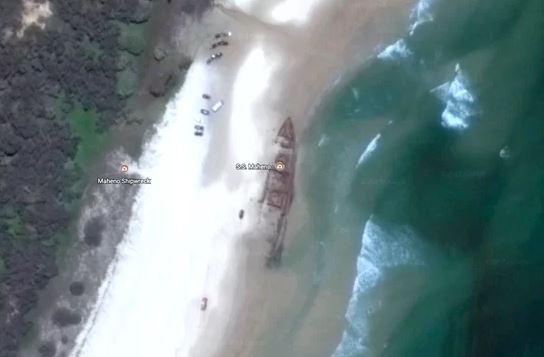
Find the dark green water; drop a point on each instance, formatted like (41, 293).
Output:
(450, 218)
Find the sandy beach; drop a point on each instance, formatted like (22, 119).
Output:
(285, 66)
(185, 240)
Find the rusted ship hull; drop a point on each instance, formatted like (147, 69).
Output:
(279, 190)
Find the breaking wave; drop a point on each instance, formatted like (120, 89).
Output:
(460, 102)
(397, 51)
(400, 50)
(382, 249)
(369, 150)
(421, 14)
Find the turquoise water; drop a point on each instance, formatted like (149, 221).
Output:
(445, 206)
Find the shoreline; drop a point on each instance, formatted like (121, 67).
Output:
(310, 82)
(283, 52)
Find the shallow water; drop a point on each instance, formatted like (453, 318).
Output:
(429, 161)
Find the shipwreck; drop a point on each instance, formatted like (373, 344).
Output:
(278, 190)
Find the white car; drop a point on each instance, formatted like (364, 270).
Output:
(214, 57)
(223, 34)
(217, 106)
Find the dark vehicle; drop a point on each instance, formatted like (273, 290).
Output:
(206, 96)
(223, 34)
(204, 304)
(220, 43)
(204, 111)
(199, 130)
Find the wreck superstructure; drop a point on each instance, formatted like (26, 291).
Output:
(279, 190)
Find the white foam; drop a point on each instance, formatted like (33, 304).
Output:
(369, 150)
(421, 14)
(505, 153)
(355, 93)
(459, 100)
(323, 140)
(441, 91)
(397, 51)
(384, 249)
(381, 249)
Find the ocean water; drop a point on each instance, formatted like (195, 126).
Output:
(431, 160)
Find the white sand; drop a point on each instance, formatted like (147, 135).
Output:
(179, 244)
(277, 12)
(184, 238)
(292, 11)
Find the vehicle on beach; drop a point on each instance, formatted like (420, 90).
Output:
(204, 304)
(199, 130)
(217, 106)
(204, 112)
(223, 34)
(220, 43)
(214, 57)
(206, 96)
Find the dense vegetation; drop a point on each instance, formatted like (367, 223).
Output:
(59, 93)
